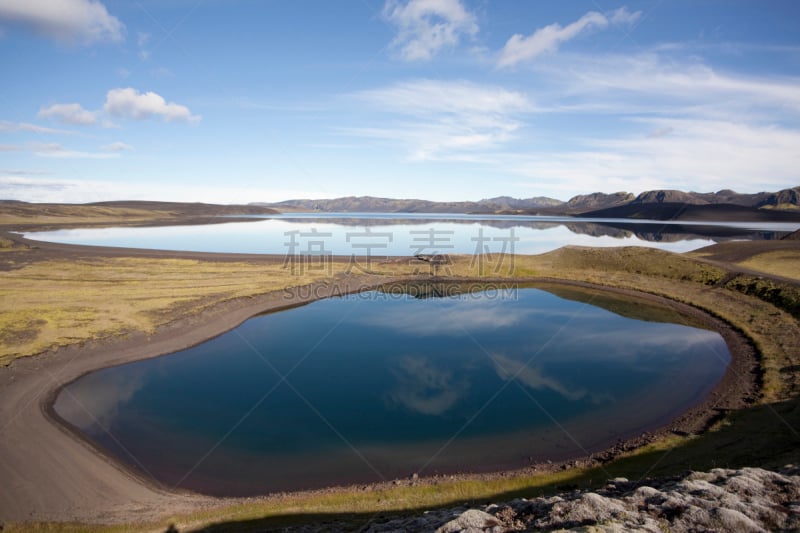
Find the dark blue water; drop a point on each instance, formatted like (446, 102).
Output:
(377, 386)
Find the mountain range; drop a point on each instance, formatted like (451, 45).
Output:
(662, 204)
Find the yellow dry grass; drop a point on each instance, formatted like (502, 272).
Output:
(62, 302)
(54, 303)
(73, 215)
(48, 304)
(784, 263)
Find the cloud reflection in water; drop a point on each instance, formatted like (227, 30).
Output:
(423, 388)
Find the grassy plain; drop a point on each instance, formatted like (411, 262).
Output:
(29, 216)
(56, 302)
(781, 263)
(32, 216)
(52, 302)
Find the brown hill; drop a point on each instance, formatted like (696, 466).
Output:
(599, 200)
(372, 204)
(193, 209)
(24, 215)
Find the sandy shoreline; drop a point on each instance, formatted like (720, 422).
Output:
(50, 473)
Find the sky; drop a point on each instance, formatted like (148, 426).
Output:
(238, 101)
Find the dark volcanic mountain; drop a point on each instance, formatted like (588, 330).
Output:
(784, 198)
(723, 205)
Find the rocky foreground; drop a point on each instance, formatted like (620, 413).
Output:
(750, 499)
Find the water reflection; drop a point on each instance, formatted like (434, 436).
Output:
(650, 231)
(358, 389)
(404, 234)
(424, 388)
(484, 316)
(96, 399)
(509, 368)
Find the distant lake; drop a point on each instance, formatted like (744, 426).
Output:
(403, 234)
(381, 385)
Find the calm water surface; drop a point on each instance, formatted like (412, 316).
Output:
(408, 234)
(375, 386)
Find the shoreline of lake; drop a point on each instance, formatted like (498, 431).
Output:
(409, 234)
(475, 350)
(56, 476)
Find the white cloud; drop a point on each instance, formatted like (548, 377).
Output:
(658, 121)
(424, 27)
(718, 153)
(141, 41)
(67, 21)
(66, 190)
(22, 172)
(72, 114)
(667, 82)
(623, 16)
(520, 48)
(13, 127)
(55, 150)
(422, 97)
(31, 189)
(445, 119)
(116, 147)
(130, 103)
(693, 154)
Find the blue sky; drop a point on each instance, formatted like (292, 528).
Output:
(242, 101)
